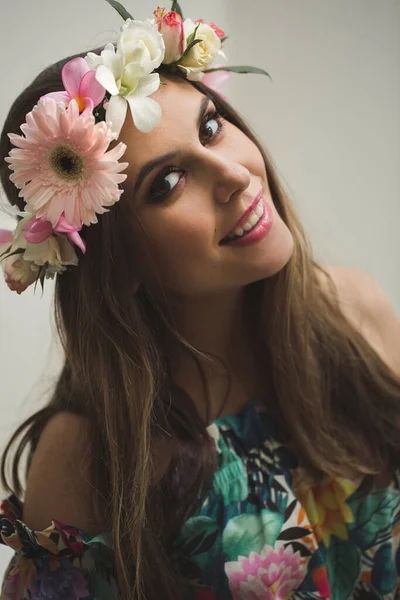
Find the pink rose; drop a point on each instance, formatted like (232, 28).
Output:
(18, 273)
(170, 25)
(36, 231)
(217, 30)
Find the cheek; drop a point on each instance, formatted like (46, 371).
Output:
(243, 150)
(184, 225)
(253, 159)
(180, 236)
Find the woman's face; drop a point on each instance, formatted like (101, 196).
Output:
(191, 179)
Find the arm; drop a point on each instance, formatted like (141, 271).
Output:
(58, 483)
(59, 550)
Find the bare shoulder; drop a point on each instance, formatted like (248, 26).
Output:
(366, 305)
(59, 482)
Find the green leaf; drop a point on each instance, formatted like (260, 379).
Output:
(240, 69)
(192, 37)
(238, 490)
(38, 278)
(246, 533)
(189, 47)
(120, 9)
(191, 41)
(223, 39)
(372, 517)
(175, 7)
(5, 251)
(383, 576)
(343, 560)
(200, 540)
(19, 251)
(201, 543)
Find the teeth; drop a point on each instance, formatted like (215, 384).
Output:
(255, 216)
(252, 221)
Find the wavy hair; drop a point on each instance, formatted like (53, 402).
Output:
(335, 402)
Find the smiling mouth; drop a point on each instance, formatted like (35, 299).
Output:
(251, 222)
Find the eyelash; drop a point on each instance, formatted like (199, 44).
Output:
(153, 197)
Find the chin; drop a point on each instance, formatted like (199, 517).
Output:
(273, 259)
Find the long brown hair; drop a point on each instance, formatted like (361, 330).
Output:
(335, 402)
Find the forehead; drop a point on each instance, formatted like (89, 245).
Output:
(180, 103)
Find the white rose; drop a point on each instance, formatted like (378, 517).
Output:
(56, 250)
(202, 54)
(141, 44)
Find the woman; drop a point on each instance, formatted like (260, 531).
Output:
(226, 423)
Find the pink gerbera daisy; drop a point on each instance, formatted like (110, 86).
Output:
(62, 165)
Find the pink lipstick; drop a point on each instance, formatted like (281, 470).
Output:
(254, 226)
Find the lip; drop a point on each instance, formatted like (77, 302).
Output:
(244, 216)
(260, 230)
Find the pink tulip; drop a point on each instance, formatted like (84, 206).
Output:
(170, 25)
(72, 230)
(80, 84)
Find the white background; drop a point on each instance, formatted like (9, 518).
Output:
(330, 118)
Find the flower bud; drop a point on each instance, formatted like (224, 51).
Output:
(170, 25)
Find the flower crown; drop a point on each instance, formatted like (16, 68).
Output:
(62, 165)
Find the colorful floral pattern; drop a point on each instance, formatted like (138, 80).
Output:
(59, 563)
(274, 573)
(327, 508)
(259, 534)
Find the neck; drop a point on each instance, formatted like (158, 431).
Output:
(214, 325)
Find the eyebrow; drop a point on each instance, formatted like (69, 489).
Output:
(159, 160)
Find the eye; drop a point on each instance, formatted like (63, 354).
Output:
(165, 183)
(211, 126)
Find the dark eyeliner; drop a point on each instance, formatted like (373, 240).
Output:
(163, 173)
(214, 114)
(167, 170)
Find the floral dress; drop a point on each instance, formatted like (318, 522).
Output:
(259, 534)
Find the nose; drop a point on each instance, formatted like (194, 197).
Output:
(229, 177)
